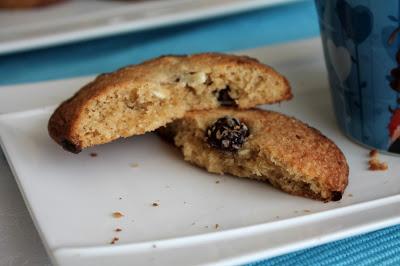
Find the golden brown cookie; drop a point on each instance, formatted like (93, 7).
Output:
(262, 145)
(26, 3)
(141, 98)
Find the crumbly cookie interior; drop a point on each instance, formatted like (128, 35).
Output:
(252, 160)
(248, 162)
(133, 109)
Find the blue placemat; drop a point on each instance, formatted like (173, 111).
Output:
(377, 248)
(273, 25)
(252, 29)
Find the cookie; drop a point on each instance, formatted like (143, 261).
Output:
(141, 98)
(26, 3)
(262, 145)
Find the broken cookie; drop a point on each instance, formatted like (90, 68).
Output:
(262, 145)
(141, 98)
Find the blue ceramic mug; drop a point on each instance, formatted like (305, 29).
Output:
(361, 41)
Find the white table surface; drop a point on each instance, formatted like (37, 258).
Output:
(19, 241)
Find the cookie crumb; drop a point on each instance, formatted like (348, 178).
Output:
(117, 215)
(134, 165)
(350, 195)
(373, 153)
(217, 182)
(155, 204)
(114, 240)
(216, 226)
(93, 154)
(374, 163)
(118, 229)
(306, 211)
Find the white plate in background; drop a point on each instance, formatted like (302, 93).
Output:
(71, 197)
(76, 20)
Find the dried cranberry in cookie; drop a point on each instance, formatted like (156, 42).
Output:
(227, 134)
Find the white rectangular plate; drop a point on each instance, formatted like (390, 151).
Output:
(71, 197)
(76, 20)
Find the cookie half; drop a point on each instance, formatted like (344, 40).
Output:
(262, 145)
(141, 98)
